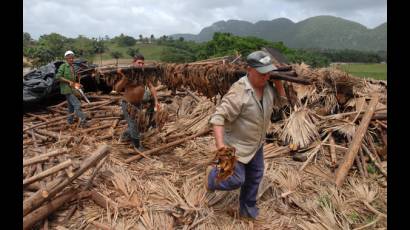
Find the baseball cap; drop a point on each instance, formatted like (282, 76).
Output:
(261, 61)
(68, 52)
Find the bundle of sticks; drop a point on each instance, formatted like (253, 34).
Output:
(47, 190)
(208, 79)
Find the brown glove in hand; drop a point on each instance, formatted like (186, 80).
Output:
(225, 160)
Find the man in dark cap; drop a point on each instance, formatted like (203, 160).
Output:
(241, 121)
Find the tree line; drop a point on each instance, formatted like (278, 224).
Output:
(51, 47)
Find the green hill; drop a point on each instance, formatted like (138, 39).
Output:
(326, 32)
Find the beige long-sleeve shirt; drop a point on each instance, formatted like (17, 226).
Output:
(244, 119)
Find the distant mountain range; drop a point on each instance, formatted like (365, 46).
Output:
(315, 32)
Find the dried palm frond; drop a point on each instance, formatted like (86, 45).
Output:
(344, 127)
(300, 128)
(338, 200)
(268, 181)
(196, 120)
(306, 225)
(304, 91)
(287, 178)
(328, 216)
(194, 192)
(331, 104)
(155, 220)
(363, 191)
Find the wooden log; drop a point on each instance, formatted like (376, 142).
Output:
(27, 142)
(287, 93)
(167, 145)
(47, 122)
(68, 171)
(101, 201)
(70, 213)
(47, 172)
(359, 166)
(99, 106)
(100, 138)
(39, 166)
(112, 128)
(364, 164)
(332, 150)
(63, 103)
(41, 137)
(381, 169)
(381, 124)
(47, 209)
(97, 103)
(52, 134)
(44, 157)
(42, 212)
(341, 115)
(62, 112)
(96, 128)
(37, 116)
(184, 134)
(284, 77)
(57, 185)
(347, 162)
(376, 153)
(32, 187)
(105, 118)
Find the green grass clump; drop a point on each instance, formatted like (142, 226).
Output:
(366, 70)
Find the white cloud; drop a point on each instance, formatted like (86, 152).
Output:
(95, 18)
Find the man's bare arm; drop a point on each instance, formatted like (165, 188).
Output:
(120, 85)
(219, 136)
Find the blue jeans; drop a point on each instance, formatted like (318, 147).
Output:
(132, 130)
(247, 177)
(74, 105)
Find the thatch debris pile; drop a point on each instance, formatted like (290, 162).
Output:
(337, 123)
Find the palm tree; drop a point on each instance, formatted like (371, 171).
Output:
(116, 55)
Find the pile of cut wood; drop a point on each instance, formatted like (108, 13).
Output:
(87, 178)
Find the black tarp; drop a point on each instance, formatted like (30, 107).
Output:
(40, 85)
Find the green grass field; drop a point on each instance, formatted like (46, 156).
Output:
(151, 52)
(372, 70)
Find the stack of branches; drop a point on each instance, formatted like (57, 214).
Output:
(207, 79)
(139, 75)
(49, 181)
(329, 113)
(166, 190)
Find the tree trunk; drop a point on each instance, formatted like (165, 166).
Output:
(42, 212)
(43, 157)
(57, 185)
(351, 154)
(45, 210)
(47, 172)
